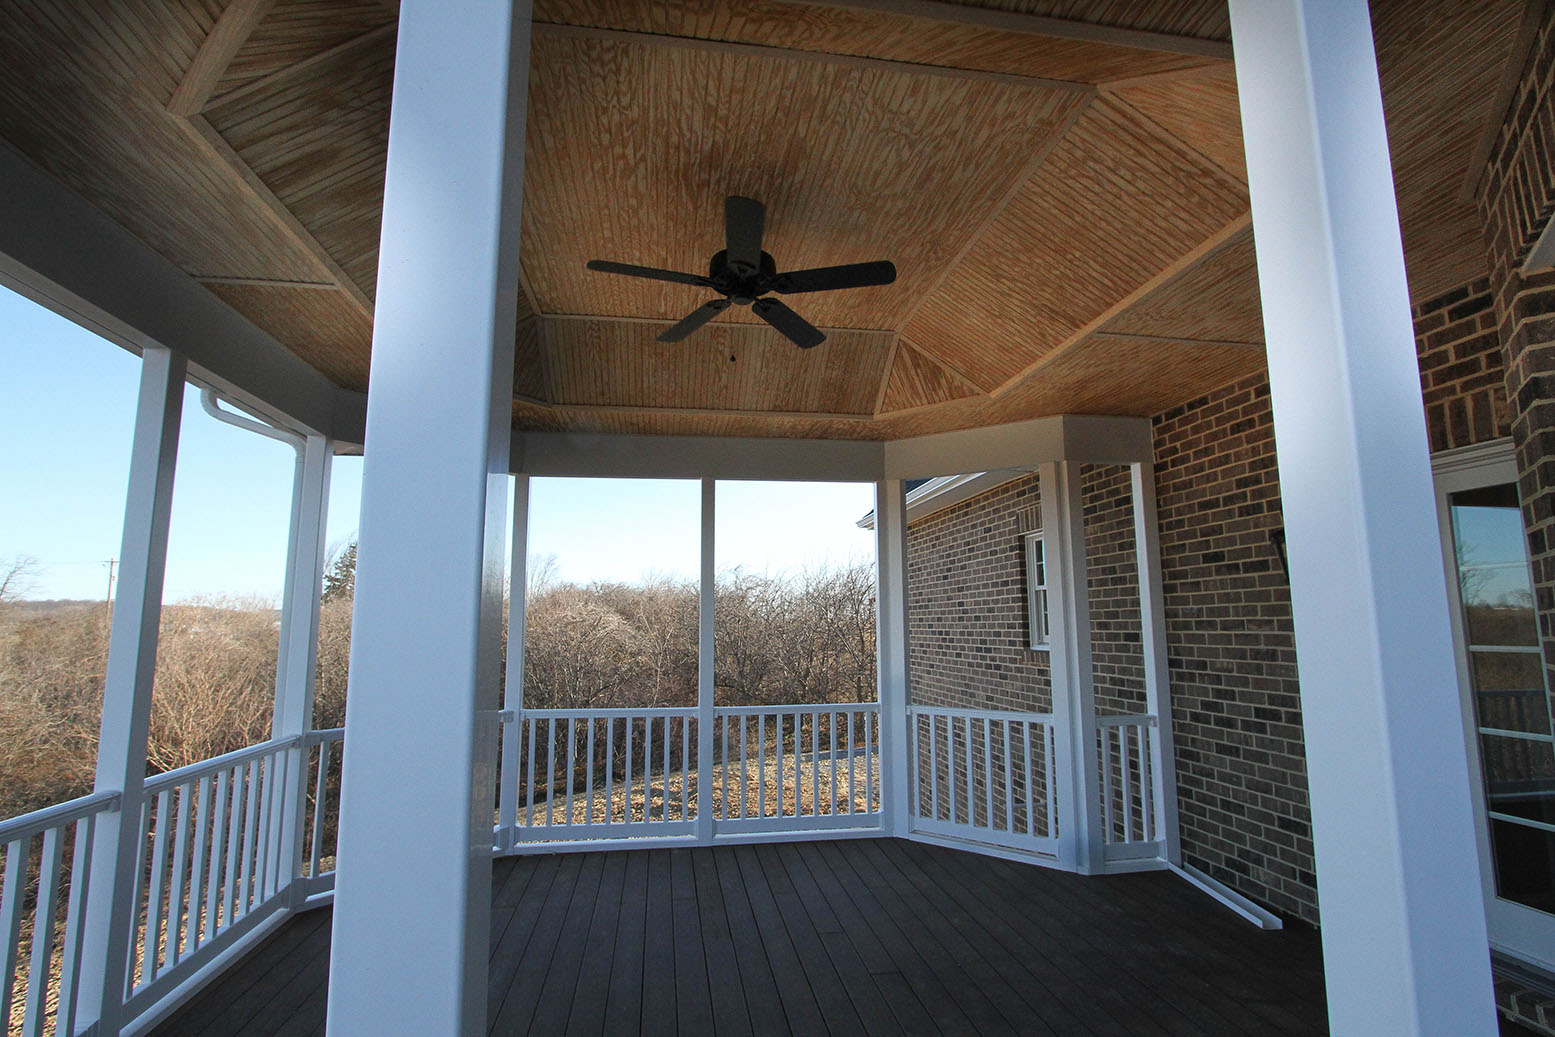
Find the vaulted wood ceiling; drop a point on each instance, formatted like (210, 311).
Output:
(1059, 182)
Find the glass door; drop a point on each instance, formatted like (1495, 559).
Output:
(1507, 709)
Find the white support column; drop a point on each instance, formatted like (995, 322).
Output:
(1152, 628)
(513, 685)
(297, 659)
(1404, 941)
(706, 716)
(896, 742)
(132, 660)
(413, 891)
(1074, 690)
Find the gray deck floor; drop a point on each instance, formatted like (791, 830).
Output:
(849, 936)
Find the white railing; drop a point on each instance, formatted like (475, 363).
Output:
(221, 847)
(795, 768)
(1126, 754)
(209, 866)
(985, 775)
(321, 809)
(36, 847)
(588, 774)
(603, 774)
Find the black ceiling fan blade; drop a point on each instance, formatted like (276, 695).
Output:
(695, 319)
(798, 330)
(826, 278)
(653, 273)
(745, 221)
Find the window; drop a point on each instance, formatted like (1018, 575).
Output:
(1036, 591)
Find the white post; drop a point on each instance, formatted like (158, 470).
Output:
(132, 659)
(513, 685)
(706, 715)
(1404, 939)
(298, 654)
(413, 891)
(1152, 629)
(1074, 689)
(897, 747)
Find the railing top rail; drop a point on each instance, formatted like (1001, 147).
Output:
(192, 771)
(1126, 720)
(797, 707)
(603, 714)
(327, 734)
(978, 714)
(30, 824)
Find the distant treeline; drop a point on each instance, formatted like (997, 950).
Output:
(806, 637)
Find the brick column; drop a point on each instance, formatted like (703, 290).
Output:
(1516, 197)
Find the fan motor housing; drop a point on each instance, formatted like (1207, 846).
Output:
(742, 289)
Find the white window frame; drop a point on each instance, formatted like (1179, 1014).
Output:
(1039, 633)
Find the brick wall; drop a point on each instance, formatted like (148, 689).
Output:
(1241, 768)
(966, 604)
(1516, 197)
(1236, 706)
(1117, 652)
(1462, 376)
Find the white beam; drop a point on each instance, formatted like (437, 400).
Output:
(132, 660)
(1404, 940)
(706, 646)
(693, 457)
(513, 684)
(891, 641)
(297, 658)
(1152, 628)
(413, 891)
(1072, 674)
(1066, 437)
(62, 253)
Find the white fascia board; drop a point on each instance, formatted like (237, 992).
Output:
(943, 491)
(63, 253)
(695, 457)
(1020, 444)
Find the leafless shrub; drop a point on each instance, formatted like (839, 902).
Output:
(807, 637)
(215, 680)
(51, 691)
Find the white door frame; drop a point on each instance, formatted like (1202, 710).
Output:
(1515, 929)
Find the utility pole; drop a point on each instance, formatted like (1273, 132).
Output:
(108, 601)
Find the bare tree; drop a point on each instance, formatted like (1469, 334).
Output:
(16, 577)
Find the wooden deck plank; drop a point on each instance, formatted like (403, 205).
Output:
(859, 956)
(726, 991)
(623, 999)
(1179, 1010)
(555, 994)
(592, 992)
(513, 942)
(271, 1015)
(1211, 1008)
(847, 936)
(694, 997)
(221, 1007)
(762, 1001)
(1007, 985)
(869, 931)
(904, 918)
(1045, 955)
(519, 995)
(661, 970)
(838, 979)
(1095, 969)
(812, 998)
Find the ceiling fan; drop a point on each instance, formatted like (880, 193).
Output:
(743, 274)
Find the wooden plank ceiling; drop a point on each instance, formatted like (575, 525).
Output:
(1059, 182)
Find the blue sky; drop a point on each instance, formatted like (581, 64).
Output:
(69, 407)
